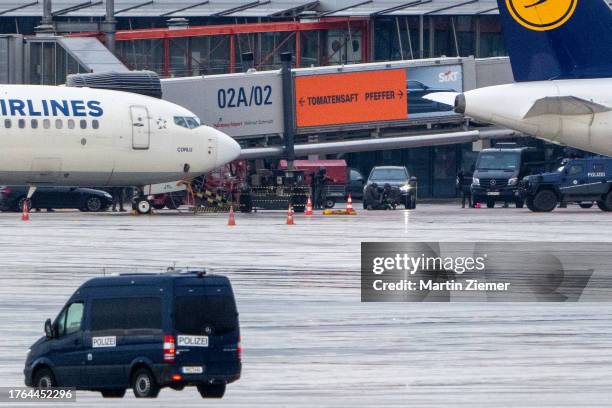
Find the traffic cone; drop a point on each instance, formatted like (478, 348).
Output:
(349, 204)
(25, 215)
(290, 215)
(308, 207)
(232, 219)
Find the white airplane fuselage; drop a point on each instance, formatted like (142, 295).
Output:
(569, 120)
(90, 137)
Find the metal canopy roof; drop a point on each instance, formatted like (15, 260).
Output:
(418, 7)
(159, 8)
(249, 8)
(91, 54)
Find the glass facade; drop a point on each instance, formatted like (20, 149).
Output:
(451, 36)
(211, 54)
(49, 63)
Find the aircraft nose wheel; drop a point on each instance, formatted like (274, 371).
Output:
(142, 205)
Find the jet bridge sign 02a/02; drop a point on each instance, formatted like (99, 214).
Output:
(350, 97)
(239, 105)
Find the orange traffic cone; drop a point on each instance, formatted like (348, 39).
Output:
(349, 204)
(290, 215)
(308, 207)
(25, 215)
(232, 219)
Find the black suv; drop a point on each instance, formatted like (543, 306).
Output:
(403, 187)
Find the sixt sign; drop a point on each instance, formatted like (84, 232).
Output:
(50, 107)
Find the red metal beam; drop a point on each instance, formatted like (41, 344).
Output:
(166, 67)
(232, 67)
(232, 29)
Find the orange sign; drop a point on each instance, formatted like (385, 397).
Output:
(351, 97)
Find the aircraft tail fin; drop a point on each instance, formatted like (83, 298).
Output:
(557, 39)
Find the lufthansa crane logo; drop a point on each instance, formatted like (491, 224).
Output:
(541, 15)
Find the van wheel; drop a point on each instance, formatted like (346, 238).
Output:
(607, 203)
(144, 384)
(216, 390)
(44, 379)
(116, 393)
(545, 201)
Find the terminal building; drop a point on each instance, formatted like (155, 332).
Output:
(43, 41)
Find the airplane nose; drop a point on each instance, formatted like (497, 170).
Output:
(228, 149)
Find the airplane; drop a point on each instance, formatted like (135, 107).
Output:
(92, 137)
(561, 57)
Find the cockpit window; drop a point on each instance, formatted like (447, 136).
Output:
(187, 122)
(180, 121)
(192, 122)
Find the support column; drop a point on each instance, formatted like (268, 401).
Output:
(288, 111)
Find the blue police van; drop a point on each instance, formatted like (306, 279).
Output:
(142, 331)
(583, 180)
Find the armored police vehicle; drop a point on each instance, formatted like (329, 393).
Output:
(498, 171)
(582, 181)
(142, 331)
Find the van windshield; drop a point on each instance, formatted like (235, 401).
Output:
(195, 313)
(498, 161)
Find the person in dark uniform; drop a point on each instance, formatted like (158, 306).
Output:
(464, 182)
(319, 187)
(118, 194)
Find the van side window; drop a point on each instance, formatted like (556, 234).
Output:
(69, 320)
(575, 169)
(598, 168)
(126, 314)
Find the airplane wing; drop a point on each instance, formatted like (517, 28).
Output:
(388, 143)
(565, 105)
(447, 98)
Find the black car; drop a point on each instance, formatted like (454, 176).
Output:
(403, 187)
(417, 104)
(84, 199)
(355, 185)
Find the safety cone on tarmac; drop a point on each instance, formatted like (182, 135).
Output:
(25, 215)
(290, 215)
(349, 204)
(232, 219)
(308, 207)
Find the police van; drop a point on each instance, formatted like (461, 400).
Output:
(142, 331)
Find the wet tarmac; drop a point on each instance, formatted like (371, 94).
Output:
(308, 341)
